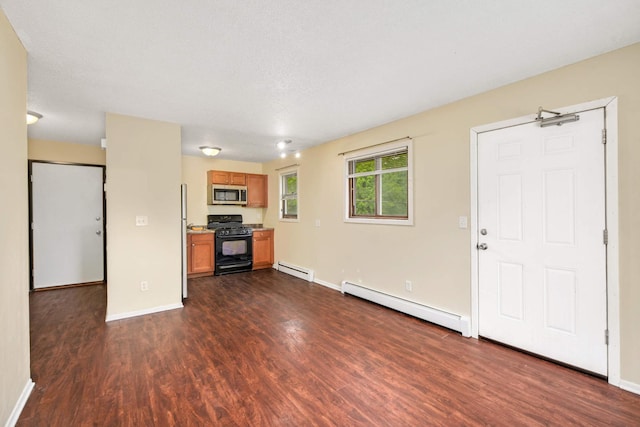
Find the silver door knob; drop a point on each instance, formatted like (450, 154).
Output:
(99, 232)
(482, 246)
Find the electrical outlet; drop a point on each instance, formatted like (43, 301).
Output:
(142, 220)
(144, 285)
(408, 286)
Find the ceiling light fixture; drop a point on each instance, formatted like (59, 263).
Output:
(33, 117)
(210, 151)
(283, 144)
(283, 155)
(297, 155)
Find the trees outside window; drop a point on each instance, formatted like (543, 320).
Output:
(378, 186)
(289, 195)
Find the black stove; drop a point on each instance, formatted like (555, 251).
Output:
(233, 244)
(228, 225)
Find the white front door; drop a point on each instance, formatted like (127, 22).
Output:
(541, 215)
(67, 224)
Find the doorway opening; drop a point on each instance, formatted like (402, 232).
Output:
(67, 232)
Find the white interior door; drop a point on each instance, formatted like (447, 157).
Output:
(68, 224)
(541, 214)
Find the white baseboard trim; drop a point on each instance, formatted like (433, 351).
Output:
(629, 386)
(120, 316)
(430, 314)
(22, 400)
(327, 284)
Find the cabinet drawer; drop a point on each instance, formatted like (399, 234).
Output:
(262, 234)
(201, 237)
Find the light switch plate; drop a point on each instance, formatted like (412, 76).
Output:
(462, 222)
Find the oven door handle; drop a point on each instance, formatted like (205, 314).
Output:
(235, 265)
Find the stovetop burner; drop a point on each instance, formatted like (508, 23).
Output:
(228, 225)
(219, 225)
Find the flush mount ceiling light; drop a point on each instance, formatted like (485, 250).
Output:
(283, 144)
(210, 151)
(33, 117)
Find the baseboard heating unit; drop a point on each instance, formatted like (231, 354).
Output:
(433, 315)
(294, 270)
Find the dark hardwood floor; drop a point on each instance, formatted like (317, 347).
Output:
(266, 349)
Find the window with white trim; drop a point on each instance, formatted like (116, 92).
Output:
(289, 195)
(379, 185)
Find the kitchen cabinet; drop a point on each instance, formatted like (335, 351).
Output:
(225, 177)
(257, 190)
(200, 254)
(262, 249)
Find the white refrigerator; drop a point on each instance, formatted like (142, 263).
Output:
(183, 228)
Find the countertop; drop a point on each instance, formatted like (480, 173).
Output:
(255, 227)
(205, 231)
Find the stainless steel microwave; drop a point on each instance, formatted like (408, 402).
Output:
(227, 195)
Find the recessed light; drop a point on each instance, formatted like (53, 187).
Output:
(298, 155)
(283, 155)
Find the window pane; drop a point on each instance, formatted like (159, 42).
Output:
(290, 208)
(396, 160)
(366, 165)
(394, 193)
(291, 184)
(289, 195)
(365, 195)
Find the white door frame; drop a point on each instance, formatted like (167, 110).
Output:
(104, 218)
(611, 199)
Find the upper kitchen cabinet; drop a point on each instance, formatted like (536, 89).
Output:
(228, 178)
(257, 190)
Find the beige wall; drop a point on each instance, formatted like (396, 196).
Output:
(194, 174)
(14, 239)
(56, 151)
(143, 178)
(435, 254)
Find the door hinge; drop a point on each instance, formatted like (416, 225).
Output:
(605, 237)
(604, 136)
(606, 337)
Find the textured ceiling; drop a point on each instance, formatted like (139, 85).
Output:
(242, 75)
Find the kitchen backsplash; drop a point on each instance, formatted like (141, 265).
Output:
(249, 215)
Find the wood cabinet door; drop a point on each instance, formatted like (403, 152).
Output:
(226, 178)
(202, 253)
(236, 178)
(189, 254)
(257, 196)
(262, 249)
(218, 177)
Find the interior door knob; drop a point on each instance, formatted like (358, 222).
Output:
(482, 246)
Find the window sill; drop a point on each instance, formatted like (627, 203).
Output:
(384, 221)
(289, 219)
